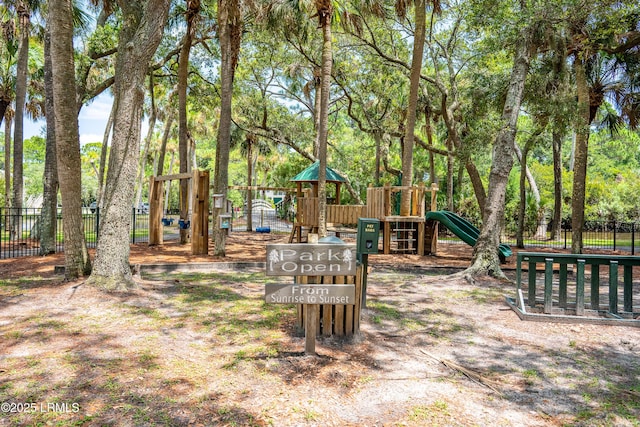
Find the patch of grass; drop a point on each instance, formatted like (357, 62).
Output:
(530, 376)
(15, 335)
(413, 324)
(385, 311)
(148, 360)
(436, 410)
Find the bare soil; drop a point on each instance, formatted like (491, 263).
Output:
(203, 349)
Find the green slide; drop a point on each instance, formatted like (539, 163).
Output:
(466, 231)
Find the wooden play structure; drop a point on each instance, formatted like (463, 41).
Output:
(400, 234)
(199, 222)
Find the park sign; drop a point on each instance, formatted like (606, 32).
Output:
(310, 294)
(320, 259)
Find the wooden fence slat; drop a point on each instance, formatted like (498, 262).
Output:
(327, 312)
(351, 312)
(613, 287)
(532, 284)
(628, 288)
(338, 325)
(595, 287)
(580, 288)
(562, 291)
(548, 285)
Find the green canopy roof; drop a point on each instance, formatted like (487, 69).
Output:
(310, 174)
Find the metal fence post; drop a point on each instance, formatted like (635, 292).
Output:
(97, 227)
(615, 229)
(133, 237)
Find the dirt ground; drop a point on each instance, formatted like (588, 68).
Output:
(203, 349)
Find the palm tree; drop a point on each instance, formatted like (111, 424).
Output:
(67, 136)
(23, 11)
(230, 36)
(600, 78)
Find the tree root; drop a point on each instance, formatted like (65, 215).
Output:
(117, 283)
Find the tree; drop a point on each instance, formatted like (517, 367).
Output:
(191, 16)
(49, 214)
(230, 36)
(485, 254)
(141, 32)
(77, 261)
(24, 23)
(600, 76)
(414, 87)
(325, 12)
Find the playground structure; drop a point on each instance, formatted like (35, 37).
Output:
(415, 233)
(199, 222)
(401, 234)
(462, 228)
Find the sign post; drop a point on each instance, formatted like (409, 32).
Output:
(311, 260)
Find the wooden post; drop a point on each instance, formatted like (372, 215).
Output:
(580, 288)
(613, 287)
(628, 288)
(562, 291)
(155, 212)
(200, 218)
(532, 284)
(548, 285)
(595, 287)
(311, 318)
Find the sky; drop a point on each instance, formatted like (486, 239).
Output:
(92, 121)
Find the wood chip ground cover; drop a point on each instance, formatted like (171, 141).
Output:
(204, 349)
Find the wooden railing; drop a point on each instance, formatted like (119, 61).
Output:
(380, 200)
(579, 263)
(340, 214)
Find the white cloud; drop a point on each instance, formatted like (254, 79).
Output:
(86, 138)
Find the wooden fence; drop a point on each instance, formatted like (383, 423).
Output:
(568, 295)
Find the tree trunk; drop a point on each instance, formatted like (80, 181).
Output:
(67, 136)
(485, 252)
(250, 182)
(7, 163)
(103, 155)
(325, 11)
(143, 25)
(450, 163)
(163, 145)
(377, 136)
(230, 31)
(414, 87)
(193, 8)
(317, 114)
(476, 183)
(522, 206)
(18, 125)
(147, 143)
(525, 176)
(580, 166)
(49, 213)
(557, 187)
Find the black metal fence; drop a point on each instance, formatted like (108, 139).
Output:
(598, 235)
(19, 231)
